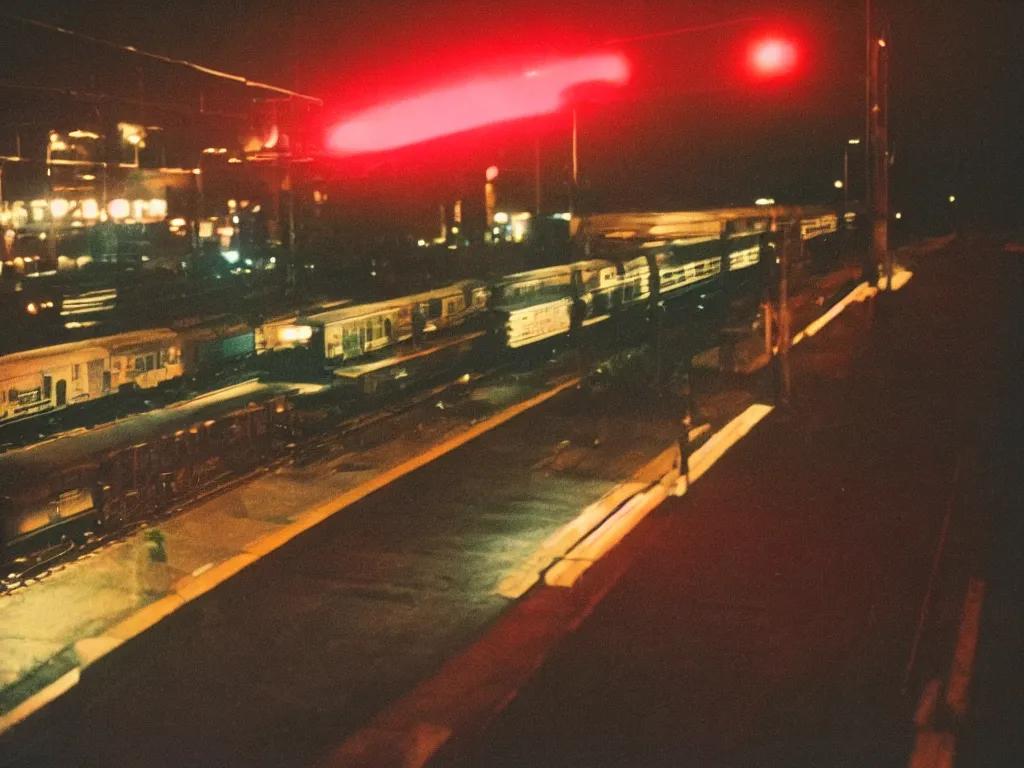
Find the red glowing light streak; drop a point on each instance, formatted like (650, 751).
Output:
(475, 104)
(773, 57)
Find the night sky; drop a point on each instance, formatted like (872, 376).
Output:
(691, 129)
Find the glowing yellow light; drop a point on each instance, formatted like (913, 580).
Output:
(90, 209)
(899, 215)
(59, 207)
(501, 218)
(178, 222)
(119, 208)
(838, 183)
(296, 333)
(31, 308)
(952, 198)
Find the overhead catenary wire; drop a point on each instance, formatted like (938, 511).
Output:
(131, 49)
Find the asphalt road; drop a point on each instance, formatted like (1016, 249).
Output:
(770, 616)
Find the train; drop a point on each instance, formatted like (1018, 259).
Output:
(625, 261)
(43, 380)
(131, 483)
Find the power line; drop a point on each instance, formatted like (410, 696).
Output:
(164, 59)
(683, 30)
(93, 96)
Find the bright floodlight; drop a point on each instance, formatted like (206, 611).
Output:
(474, 104)
(773, 57)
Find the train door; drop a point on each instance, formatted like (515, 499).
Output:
(47, 387)
(62, 393)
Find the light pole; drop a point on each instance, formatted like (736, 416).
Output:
(846, 173)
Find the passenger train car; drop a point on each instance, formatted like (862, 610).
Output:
(353, 331)
(643, 258)
(51, 378)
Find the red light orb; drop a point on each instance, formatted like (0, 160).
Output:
(480, 102)
(773, 57)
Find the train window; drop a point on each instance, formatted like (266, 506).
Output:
(369, 330)
(150, 362)
(140, 364)
(387, 327)
(74, 372)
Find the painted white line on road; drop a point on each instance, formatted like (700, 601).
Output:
(900, 277)
(933, 749)
(966, 646)
(705, 457)
(935, 745)
(521, 580)
(600, 541)
(860, 293)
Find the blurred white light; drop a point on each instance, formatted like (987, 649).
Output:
(765, 201)
(952, 198)
(838, 183)
(501, 218)
(59, 207)
(119, 208)
(899, 215)
(231, 257)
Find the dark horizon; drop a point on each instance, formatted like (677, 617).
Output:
(688, 131)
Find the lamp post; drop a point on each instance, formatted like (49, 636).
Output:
(846, 173)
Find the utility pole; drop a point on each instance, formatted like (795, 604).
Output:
(536, 158)
(790, 242)
(877, 147)
(879, 114)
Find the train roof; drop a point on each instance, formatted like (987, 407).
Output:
(22, 364)
(537, 274)
(352, 312)
(666, 224)
(362, 310)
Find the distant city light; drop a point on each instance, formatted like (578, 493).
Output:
(231, 257)
(421, 243)
(899, 215)
(952, 198)
(765, 201)
(119, 208)
(474, 104)
(501, 218)
(59, 207)
(838, 183)
(492, 173)
(853, 141)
